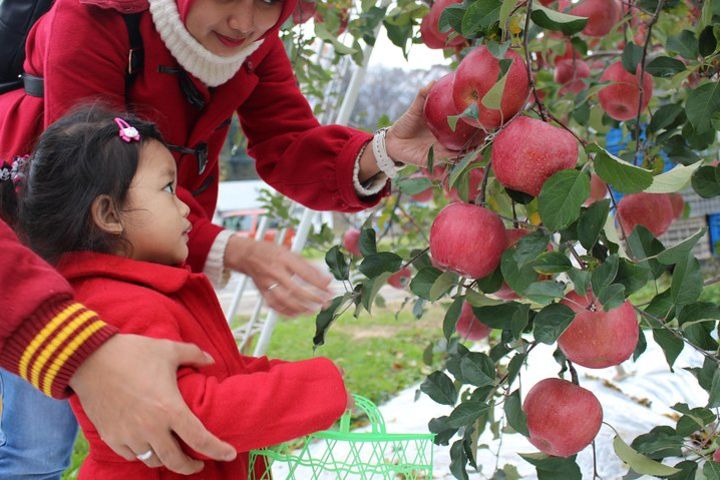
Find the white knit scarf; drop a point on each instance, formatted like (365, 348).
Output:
(211, 69)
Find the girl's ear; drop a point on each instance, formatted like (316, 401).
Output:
(106, 216)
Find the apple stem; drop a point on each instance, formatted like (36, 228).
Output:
(573, 373)
(575, 255)
(640, 77)
(480, 200)
(595, 471)
(528, 62)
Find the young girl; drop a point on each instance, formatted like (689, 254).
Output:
(98, 200)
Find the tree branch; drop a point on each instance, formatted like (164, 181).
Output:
(528, 62)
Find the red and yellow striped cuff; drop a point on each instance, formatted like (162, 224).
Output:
(47, 348)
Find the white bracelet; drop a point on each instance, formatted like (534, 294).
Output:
(384, 162)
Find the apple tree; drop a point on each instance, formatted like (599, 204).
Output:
(535, 233)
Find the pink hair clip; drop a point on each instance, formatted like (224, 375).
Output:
(127, 132)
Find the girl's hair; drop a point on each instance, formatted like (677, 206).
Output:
(77, 159)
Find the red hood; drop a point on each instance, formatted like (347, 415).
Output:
(134, 6)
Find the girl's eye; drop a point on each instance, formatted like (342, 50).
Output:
(170, 188)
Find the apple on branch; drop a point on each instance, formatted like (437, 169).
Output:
(477, 74)
(469, 326)
(621, 98)
(653, 211)
(562, 418)
(596, 338)
(351, 241)
(529, 151)
(400, 279)
(467, 239)
(430, 32)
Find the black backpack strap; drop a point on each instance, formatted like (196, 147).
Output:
(136, 54)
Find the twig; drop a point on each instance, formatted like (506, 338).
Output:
(415, 257)
(582, 141)
(528, 62)
(595, 472)
(653, 20)
(412, 221)
(573, 373)
(711, 281)
(391, 217)
(632, 5)
(661, 323)
(575, 255)
(483, 186)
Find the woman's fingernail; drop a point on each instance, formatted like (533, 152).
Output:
(209, 357)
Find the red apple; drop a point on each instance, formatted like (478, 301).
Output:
(304, 11)
(430, 32)
(477, 74)
(475, 184)
(596, 338)
(469, 326)
(716, 456)
(400, 279)
(562, 418)
(438, 173)
(529, 151)
(467, 239)
(654, 211)
(598, 189)
(343, 14)
(439, 106)
(678, 205)
(569, 74)
(620, 99)
(351, 241)
(602, 15)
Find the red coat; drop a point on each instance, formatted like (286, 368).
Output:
(248, 402)
(81, 50)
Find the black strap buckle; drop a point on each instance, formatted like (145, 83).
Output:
(34, 86)
(201, 152)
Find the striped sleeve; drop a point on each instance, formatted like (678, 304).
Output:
(48, 347)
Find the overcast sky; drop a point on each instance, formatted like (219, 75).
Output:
(389, 55)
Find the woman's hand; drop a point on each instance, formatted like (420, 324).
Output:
(128, 389)
(289, 283)
(409, 139)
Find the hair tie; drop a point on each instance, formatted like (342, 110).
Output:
(127, 132)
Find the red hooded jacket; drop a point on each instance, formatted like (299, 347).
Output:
(81, 51)
(248, 402)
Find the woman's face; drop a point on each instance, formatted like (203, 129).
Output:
(226, 26)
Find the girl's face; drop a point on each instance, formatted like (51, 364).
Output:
(226, 26)
(154, 219)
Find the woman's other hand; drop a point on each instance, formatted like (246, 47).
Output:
(289, 283)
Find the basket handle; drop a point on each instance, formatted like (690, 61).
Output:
(377, 422)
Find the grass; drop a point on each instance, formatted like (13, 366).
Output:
(380, 355)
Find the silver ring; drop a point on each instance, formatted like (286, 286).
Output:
(272, 286)
(145, 456)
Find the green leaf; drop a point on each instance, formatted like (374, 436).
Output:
(412, 186)
(643, 245)
(451, 317)
(327, 316)
(514, 413)
(451, 18)
(702, 105)
(674, 180)
(551, 322)
(687, 281)
(604, 275)
(631, 56)
(553, 20)
(612, 296)
(580, 279)
(442, 285)
(552, 262)
(561, 197)
(367, 242)
(371, 287)
(520, 320)
(458, 460)
(632, 276)
(714, 399)
(459, 168)
(711, 470)
(665, 116)
(705, 183)
(664, 67)
(660, 442)
(477, 369)
(640, 463)
(680, 252)
(591, 223)
(707, 44)
(443, 432)
(544, 292)
(553, 468)
(382, 262)
(498, 316)
(688, 469)
(423, 281)
(466, 413)
(338, 265)
(517, 276)
(505, 10)
(514, 367)
(624, 177)
(440, 388)
(529, 247)
(493, 98)
(693, 419)
(685, 44)
(479, 16)
(670, 344)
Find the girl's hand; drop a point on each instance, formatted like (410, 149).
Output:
(409, 139)
(289, 283)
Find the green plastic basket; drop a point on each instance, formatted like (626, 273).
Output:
(341, 454)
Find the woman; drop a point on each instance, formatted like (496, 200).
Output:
(204, 60)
